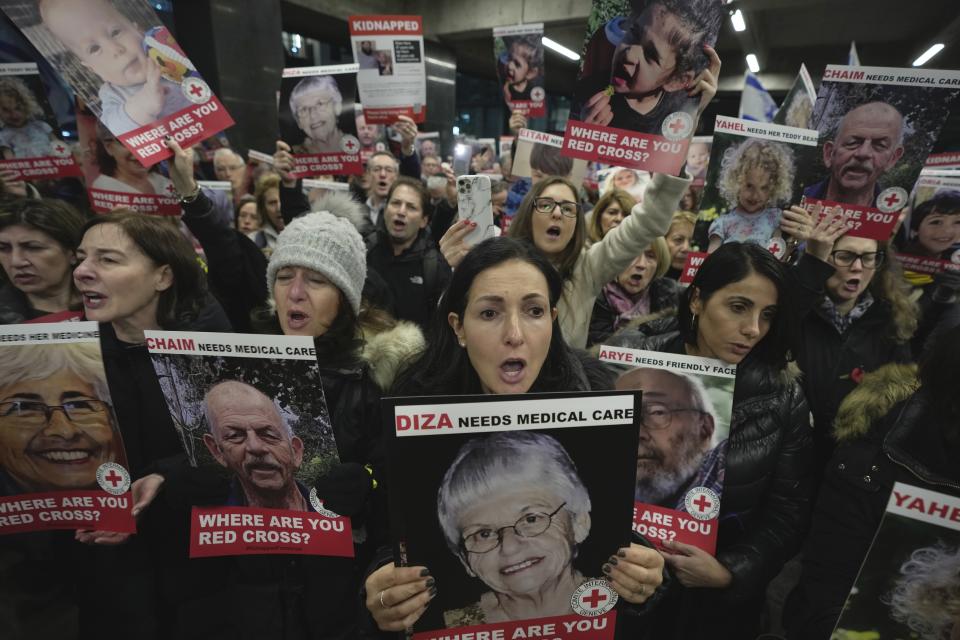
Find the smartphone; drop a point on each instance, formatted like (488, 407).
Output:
(474, 203)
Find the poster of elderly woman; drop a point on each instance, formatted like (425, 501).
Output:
(514, 508)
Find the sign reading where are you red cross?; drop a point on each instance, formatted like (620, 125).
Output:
(81, 509)
(660, 524)
(569, 627)
(863, 222)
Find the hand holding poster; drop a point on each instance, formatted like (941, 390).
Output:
(929, 239)
(515, 509)
(909, 583)
(252, 407)
(684, 425)
(119, 58)
(877, 126)
(392, 79)
(62, 461)
(630, 108)
(30, 144)
(317, 119)
(519, 55)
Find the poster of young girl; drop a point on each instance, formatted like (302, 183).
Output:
(30, 144)
(755, 170)
(518, 50)
(126, 66)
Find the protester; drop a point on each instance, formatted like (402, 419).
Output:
(267, 196)
(497, 332)
(612, 207)
(38, 239)
(228, 165)
(248, 219)
(678, 237)
(738, 310)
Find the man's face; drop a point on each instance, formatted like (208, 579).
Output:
(367, 47)
(404, 215)
(867, 145)
(249, 438)
(430, 166)
(645, 60)
(231, 167)
(316, 112)
(382, 171)
(667, 456)
(368, 134)
(427, 148)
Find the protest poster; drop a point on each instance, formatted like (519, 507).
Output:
(317, 119)
(251, 409)
(540, 154)
(691, 266)
(684, 425)
(62, 460)
(372, 137)
(464, 470)
(392, 79)
(518, 51)
(506, 145)
(30, 144)
(909, 583)
(146, 88)
(428, 143)
(315, 189)
(223, 186)
(928, 241)
(755, 171)
(114, 176)
(877, 126)
(633, 181)
(945, 160)
(698, 159)
(630, 108)
(797, 106)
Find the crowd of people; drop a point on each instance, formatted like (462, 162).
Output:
(829, 410)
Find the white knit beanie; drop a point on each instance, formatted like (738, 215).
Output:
(327, 244)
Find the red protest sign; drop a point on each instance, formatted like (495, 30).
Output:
(659, 524)
(84, 509)
(691, 266)
(570, 627)
(624, 148)
(863, 222)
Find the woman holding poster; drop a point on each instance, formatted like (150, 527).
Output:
(737, 310)
(503, 337)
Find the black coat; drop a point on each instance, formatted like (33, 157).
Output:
(663, 295)
(766, 497)
(907, 445)
(417, 276)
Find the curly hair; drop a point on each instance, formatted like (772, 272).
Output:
(531, 41)
(890, 285)
(926, 597)
(772, 157)
(17, 89)
(613, 196)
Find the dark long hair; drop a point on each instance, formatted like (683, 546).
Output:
(733, 262)
(162, 242)
(445, 369)
(55, 218)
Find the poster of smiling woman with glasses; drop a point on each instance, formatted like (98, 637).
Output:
(62, 461)
(516, 508)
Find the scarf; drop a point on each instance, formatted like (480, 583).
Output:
(842, 322)
(626, 307)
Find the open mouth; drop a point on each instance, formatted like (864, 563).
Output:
(520, 566)
(512, 370)
(93, 300)
(297, 319)
(263, 469)
(554, 231)
(636, 278)
(65, 456)
(852, 285)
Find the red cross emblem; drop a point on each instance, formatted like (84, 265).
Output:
(171, 189)
(350, 145)
(196, 90)
(892, 199)
(113, 477)
(594, 599)
(59, 148)
(677, 125)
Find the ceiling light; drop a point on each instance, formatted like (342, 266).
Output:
(737, 19)
(559, 48)
(441, 80)
(929, 53)
(753, 63)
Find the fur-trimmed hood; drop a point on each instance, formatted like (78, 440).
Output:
(388, 351)
(876, 394)
(342, 205)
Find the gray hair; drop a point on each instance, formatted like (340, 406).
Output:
(314, 83)
(22, 363)
(224, 152)
(926, 597)
(209, 416)
(486, 466)
(696, 393)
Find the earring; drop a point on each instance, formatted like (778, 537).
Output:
(463, 343)
(693, 320)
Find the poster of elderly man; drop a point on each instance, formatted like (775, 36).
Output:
(62, 460)
(681, 458)
(250, 409)
(877, 126)
(318, 119)
(514, 508)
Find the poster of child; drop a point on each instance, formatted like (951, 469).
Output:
(519, 55)
(121, 60)
(929, 238)
(698, 158)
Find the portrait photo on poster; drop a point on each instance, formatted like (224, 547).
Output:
(928, 241)
(513, 510)
(541, 154)
(519, 56)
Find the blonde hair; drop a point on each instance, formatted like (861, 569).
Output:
(687, 217)
(772, 157)
(264, 184)
(890, 285)
(662, 251)
(17, 89)
(620, 197)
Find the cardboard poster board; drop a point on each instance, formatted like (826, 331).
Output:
(251, 408)
(62, 460)
(504, 495)
(518, 50)
(928, 241)
(542, 152)
(392, 78)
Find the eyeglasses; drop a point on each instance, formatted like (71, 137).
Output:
(317, 107)
(529, 525)
(655, 416)
(843, 258)
(547, 205)
(32, 413)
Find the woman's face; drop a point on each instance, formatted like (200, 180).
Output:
(553, 231)
(248, 220)
(678, 240)
(307, 302)
(127, 164)
(271, 202)
(611, 217)
(638, 276)
(59, 453)
(507, 326)
(938, 232)
(118, 282)
(735, 318)
(519, 565)
(848, 283)
(34, 262)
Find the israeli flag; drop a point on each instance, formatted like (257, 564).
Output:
(756, 103)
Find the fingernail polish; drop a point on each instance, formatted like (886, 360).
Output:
(424, 573)
(606, 569)
(430, 582)
(433, 591)
(612, 560)
(622, 553)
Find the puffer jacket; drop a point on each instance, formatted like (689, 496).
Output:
(766, 497)
(887, 431)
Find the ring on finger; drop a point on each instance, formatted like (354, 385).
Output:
(382, 603)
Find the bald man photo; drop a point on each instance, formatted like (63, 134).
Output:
(248, 435)
(867, 144)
